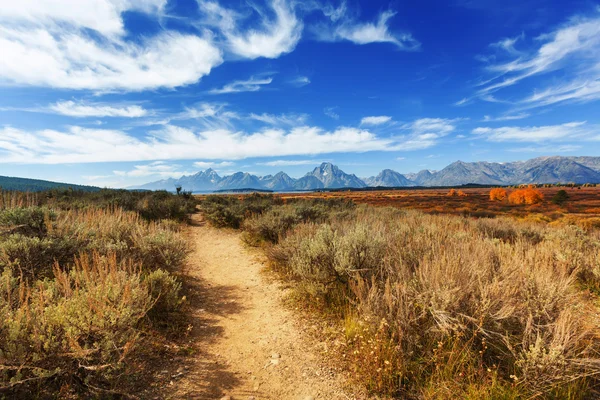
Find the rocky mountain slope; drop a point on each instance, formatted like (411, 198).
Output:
(328, 176)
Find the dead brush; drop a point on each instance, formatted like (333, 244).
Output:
(482, 309)
(79, 326)
(78, 290)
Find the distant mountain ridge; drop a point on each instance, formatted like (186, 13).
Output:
(328, 176)
(37, 185)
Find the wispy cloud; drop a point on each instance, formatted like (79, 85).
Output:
(568, 131)
(427, 132)
(346, 28)
(274, 37)
(250, 85)
(300, 81)
(212, 164)
(82, 109)
(157, 168)
(289, 163)
(331, 112)
(509, 117)
(508, 44)
(572, 49)
(282, 119)
(565, 148)
(379, 120)
(84, 145)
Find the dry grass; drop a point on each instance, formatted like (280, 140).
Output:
(456, 303)
(436, 307)
(79, 289)
(583, 203)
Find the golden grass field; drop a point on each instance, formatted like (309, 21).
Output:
(583, 203)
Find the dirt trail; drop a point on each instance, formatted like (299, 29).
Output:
(248, 344)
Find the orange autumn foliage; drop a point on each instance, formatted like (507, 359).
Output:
(456, 193)
(498, 194)
(526, 196)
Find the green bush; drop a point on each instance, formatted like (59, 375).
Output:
(165, 293)
(560, 197)
(34, 256)
(229, 211)
(29, 221)
(160, 249)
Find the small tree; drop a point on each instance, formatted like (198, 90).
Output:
(526, 196)
(498, 194)
(560, 197)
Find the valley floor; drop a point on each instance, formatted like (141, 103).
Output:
(247, 343)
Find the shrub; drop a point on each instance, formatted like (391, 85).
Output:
(270, 226)
(526, 196)
(29, 221)
(498, 194)
(560, 197)
(165, 294)
(491, 307)
(456, 193)
(82, 279)
(34, 256)
(80, 325)
(275, 223)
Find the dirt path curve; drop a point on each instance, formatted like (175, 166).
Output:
(249, 345)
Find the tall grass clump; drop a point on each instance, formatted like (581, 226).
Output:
(230, 211)
(272, 225)
(80, 287)
(449, 307)
(152, 206)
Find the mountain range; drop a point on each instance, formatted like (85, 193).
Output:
(328, 176)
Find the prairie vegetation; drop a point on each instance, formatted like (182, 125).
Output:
(526, 196)
(84, 277)
(581, 206)
(439, 306)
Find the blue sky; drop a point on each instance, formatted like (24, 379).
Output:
(122, 92)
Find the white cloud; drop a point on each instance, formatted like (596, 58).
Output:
(580, 90)
(572, 49)
(288, 163)
(300, 81)
(276, 36)
(82, 45)
(103, 16)
(69, 59)
(207, 115)
(375, 120)
(509, 117)
(84, 145)
(157, 168)
(426, 132)
(73, 109)
(282, 119)
(508, 44)
(366, 32)
(568, 131)
(250, 85)
(566, 148)
(211, 164)
(331, 113)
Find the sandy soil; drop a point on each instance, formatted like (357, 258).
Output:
(247, 344)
